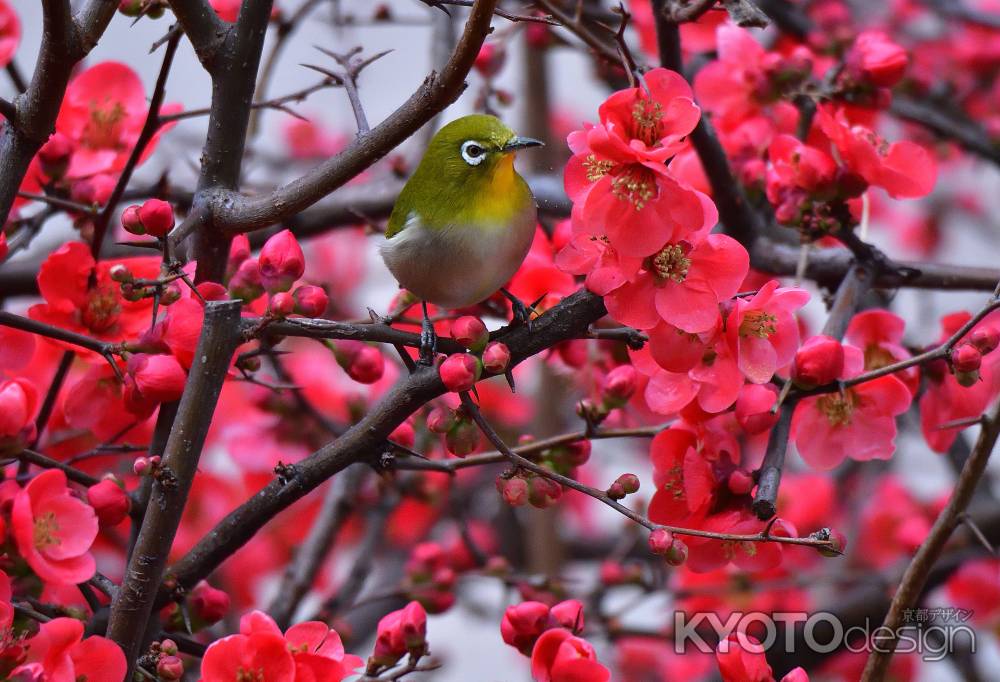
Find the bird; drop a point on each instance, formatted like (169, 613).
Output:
(463, 222)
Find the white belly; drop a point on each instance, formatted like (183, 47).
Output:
(458, 266)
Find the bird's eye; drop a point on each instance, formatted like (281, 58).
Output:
(473, 152)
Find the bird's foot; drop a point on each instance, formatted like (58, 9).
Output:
(521, 313)
(428, 343)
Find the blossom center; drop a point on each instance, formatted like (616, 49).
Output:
(877, 357)
(596, 168)
(104, 128)
(869, 136)
(758, 323)
(635, 187)
(838, 408)
(245, 675)
(647, 115)
(46, 527)
(671, 263)
(101, 310)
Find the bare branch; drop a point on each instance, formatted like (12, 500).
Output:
(203, 27)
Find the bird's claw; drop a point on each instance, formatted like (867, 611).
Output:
(428, 343)
(521, 313)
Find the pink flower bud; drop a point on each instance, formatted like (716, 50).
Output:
(141, 466)
(18, 403)
(239, 251)
(281, 304)
(109, 500)
(496, 358)
(120, 273)
(567, 614)
(470, 332)
(170, 668)
(966, 358)
(514, 491)
(413, 623)
(441, 419)
(168, 647)
(310, 301)
(818, 362)
(245, 284)
(404, 435)
(740, 482)
(151, 380)
(523, 623)
(157, 217)
(281, 262)
(463, 438)
(968, 379)
(619, 385)
(54, 156)
(490, 59)
(367, 365)
(543, 492)
(875, 58)
(986, 339)
(753, 408)
(578, 452)
(660, 541)
(460, 372)
(626, 484)
(612, 573)
(209, 604)
(677, 554)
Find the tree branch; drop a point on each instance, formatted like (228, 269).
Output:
(131, 611)
(915, 577)
(204, 29)
(236, 213)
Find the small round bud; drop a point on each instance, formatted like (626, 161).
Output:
(470, 332)
(460, 372)
(490, 59)
(55, 155)
(441, 420)
(819, 361)
(281, 262)
(986, 339)
(281, 304)
(677, 554)
(967, 379)
(170, 668)
(543, 492)
(157, 217)
(131, 221)
(626, 484)
(514, 491)
(310, 301)
(660, 541)
(496, 357)
(141, 466)
(966, 358)
(120, 273)
(619, 386)
(169, 647)
(367, 366)
(462, 439)
(109, 500)
(578, 452)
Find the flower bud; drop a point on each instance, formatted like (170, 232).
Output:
(740, 482)
(490, 59)
(367, 366)
(141, 466)
(18, 403)
(168, 647)
(612, 573)
(567, 614)
(55, 155)
(496, 358)
(131, 8)
(619, 386)
(281, 262)
(875, 58)
(626, 484)
(462, 439)
(753, 408)
(212, 291)
(677, 554)
(441, 420)
(171, 294)
(986, 339)
(404, 435)
(514, 490)
(660, 541)
(818, 362)
(578, 452)
(209, 604)
(109, 500)
(246, 283)
(966, 358)
(310, 301)
(543, 492)
(157, 217)
(120, 273)
(968, 379)
(470, 332)
(239, 251)
(523, 624)
(281, 304)
(460, 372)
(170, 668)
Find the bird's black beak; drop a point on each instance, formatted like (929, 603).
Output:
(522, 143)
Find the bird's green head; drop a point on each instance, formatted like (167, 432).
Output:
(476, 146)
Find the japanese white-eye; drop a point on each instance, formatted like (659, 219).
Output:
(465, 220)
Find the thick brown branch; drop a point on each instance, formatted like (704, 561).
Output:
(131, 611)
(203, 27)
(234, 213)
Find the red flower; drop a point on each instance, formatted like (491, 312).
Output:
(976, 586)
(109, 500)
(819, 361)
(559, 656)
(62, 655)
(400, 632)
(684, 480)
(683, 284)
(18, 403)
(524, 623)
(54, 530)
(103, 113)
(762, 330)
(151, 380)
(859, 423)
(741, 659)
(10, 34)
(99, 311)
(903, 169)
(281, 262)
(879, 334)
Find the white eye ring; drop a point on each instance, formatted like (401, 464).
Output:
(473, 152)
